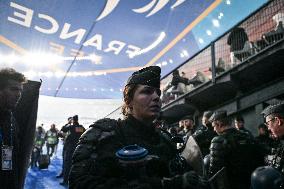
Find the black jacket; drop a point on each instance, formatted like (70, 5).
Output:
(9, 179)
(239, 153)
(95, 164)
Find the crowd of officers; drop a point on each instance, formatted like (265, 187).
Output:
(69, 133)
(138, 152)
(226, 142)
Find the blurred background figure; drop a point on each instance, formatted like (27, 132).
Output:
(51, 137)
(188, 127)
(240, 125)
(265, 139)
(64, 135)
(39, 137)
(75, 130)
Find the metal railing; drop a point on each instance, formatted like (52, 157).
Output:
(257, 32)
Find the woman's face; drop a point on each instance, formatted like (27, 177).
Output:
(146, 103)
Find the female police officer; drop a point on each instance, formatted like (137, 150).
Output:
(130, 153)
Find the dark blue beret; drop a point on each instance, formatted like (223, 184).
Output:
(275, 108)
(218, 115)
(146, 76)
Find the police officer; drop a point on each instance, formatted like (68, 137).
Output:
(205, 133)
(265, 139)
(51, 139)
(234, 150)
(11, 86)
(130, 153)
(188, 127)
(75, 131)
(40, 138)
(272, 175)
(64, 135)
(240, 125)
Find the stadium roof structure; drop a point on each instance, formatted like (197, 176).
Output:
(87, 49)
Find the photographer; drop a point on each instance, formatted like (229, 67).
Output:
(11, 87)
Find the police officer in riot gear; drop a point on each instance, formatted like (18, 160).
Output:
(234, 150)
(205, 133)
(75, 131)
(240, 125)
(272, 175)
(130, 153)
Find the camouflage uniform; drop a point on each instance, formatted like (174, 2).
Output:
(237, 152)
(95, 164)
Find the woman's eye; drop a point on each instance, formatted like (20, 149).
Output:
(151, 91)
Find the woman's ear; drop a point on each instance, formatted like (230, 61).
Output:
(130, 105)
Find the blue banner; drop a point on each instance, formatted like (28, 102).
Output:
(88, 49)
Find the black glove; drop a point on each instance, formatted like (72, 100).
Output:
(189, 180)
(178, 166)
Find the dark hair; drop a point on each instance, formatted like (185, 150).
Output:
(264, 127)
(239, 118)
(225, 121)
(207, 114)
(7, 74)
(75, 118)
(128, 94)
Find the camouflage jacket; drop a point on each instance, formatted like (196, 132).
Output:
(96, 166)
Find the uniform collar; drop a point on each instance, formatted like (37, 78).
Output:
(140, 126)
